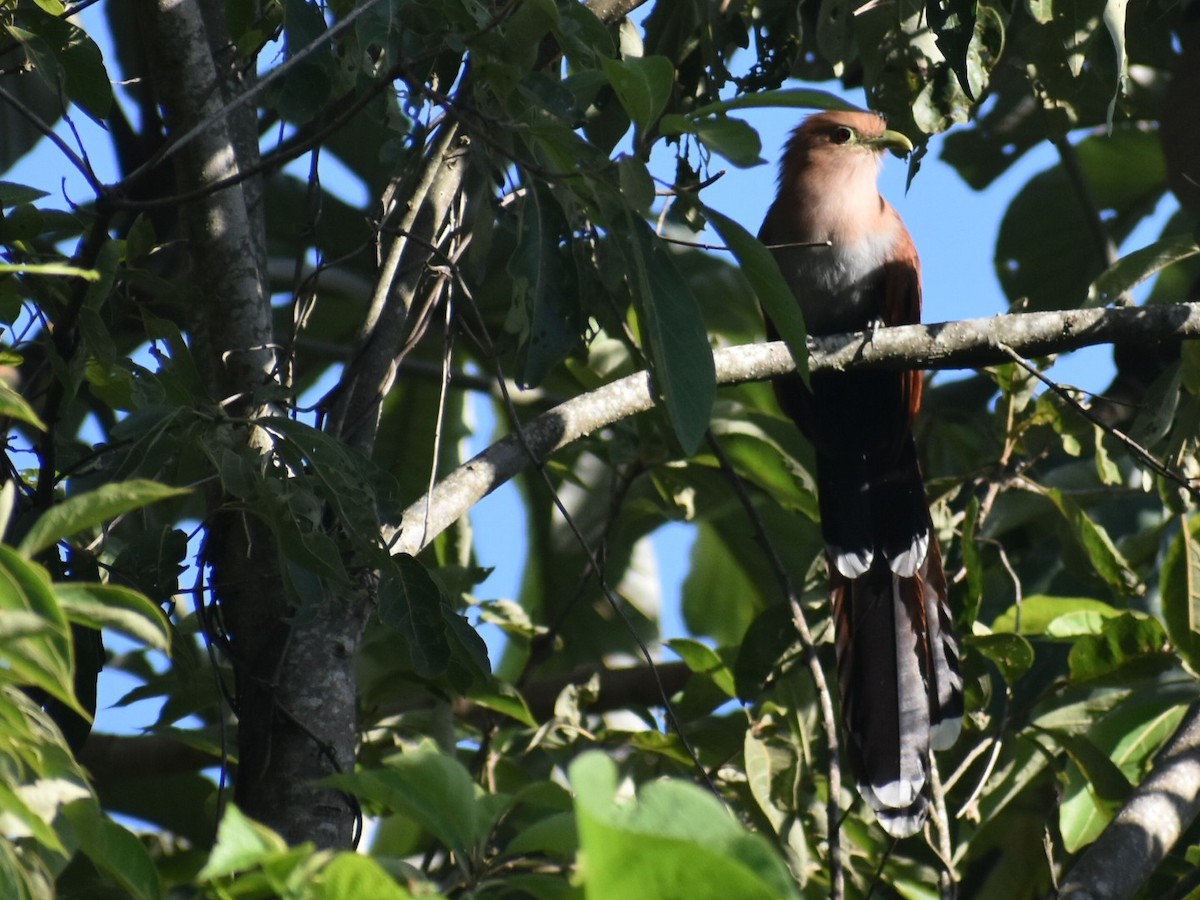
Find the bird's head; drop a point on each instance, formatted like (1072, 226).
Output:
(841, 134)
(835, 156)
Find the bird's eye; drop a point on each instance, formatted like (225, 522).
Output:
(842, 134)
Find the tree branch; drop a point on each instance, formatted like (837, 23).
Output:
(949, 345)
(1145, 829)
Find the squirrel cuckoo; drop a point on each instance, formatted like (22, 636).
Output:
(852, 266)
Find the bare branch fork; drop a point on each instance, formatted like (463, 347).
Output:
(970, 343)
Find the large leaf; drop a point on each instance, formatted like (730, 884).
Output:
(545, 288)
(643, 85)
(1037, 613)
(14, 406)
(41, 659)
(1045, 251)
(1107, 561)
(119, 608)
(241, 844)
(64, 56)
(429, 787)
(352, 875)
(411, 602)
(115, 851)
(759, 267)
(680, 354)
(91, 509)
(1180, 584)
(1123, 640)
(1136, 267)
(672, 840)
(732, 138)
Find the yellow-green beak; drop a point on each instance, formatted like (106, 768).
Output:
(892, 140)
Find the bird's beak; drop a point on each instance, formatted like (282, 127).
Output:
(892, 140)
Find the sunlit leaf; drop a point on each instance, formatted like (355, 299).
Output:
(430, 787)
(241, 844)
(1122, 640)
(1134, 268)
(774, 293)
(680, 354)
(91, 509)
(1011, 653)
(1180, 583)
(672, 840)
(115, 607)
(643, 85)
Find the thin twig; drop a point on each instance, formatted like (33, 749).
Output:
(36, 121)
(941, 827)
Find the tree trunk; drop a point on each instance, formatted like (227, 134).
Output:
(294, 668)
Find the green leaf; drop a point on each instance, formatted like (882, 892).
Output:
(1037, 611)
(554, 835)
(680, 355)
(544, 288)
(1134, 268)
(43, 660)
(1038, 252)
(91, 509)
(703, 660)
(351, 876)
(716, 576)
(759, 266)
(427, 786)
(1180, 585)
(764, 764)
(642, 84)
(115, 851)
(28, 810)
(352, 484)
(1082, 815)
(637, 185)
(790, 98)
(671, 840)
(1011, 653)
(13, 194)
(1107, 561)
(984, 49)
(241, 844)
(64, 56)
(119, 608)
(972, 563)
(504, 698)
(1123, 639)
(766, 640)
(1105, 776)
(306, 87)
(411, 602)
(731, 138)
(14, 406)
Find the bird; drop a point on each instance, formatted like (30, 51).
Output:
(852, 266)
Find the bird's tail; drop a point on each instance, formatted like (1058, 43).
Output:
(899, 680)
